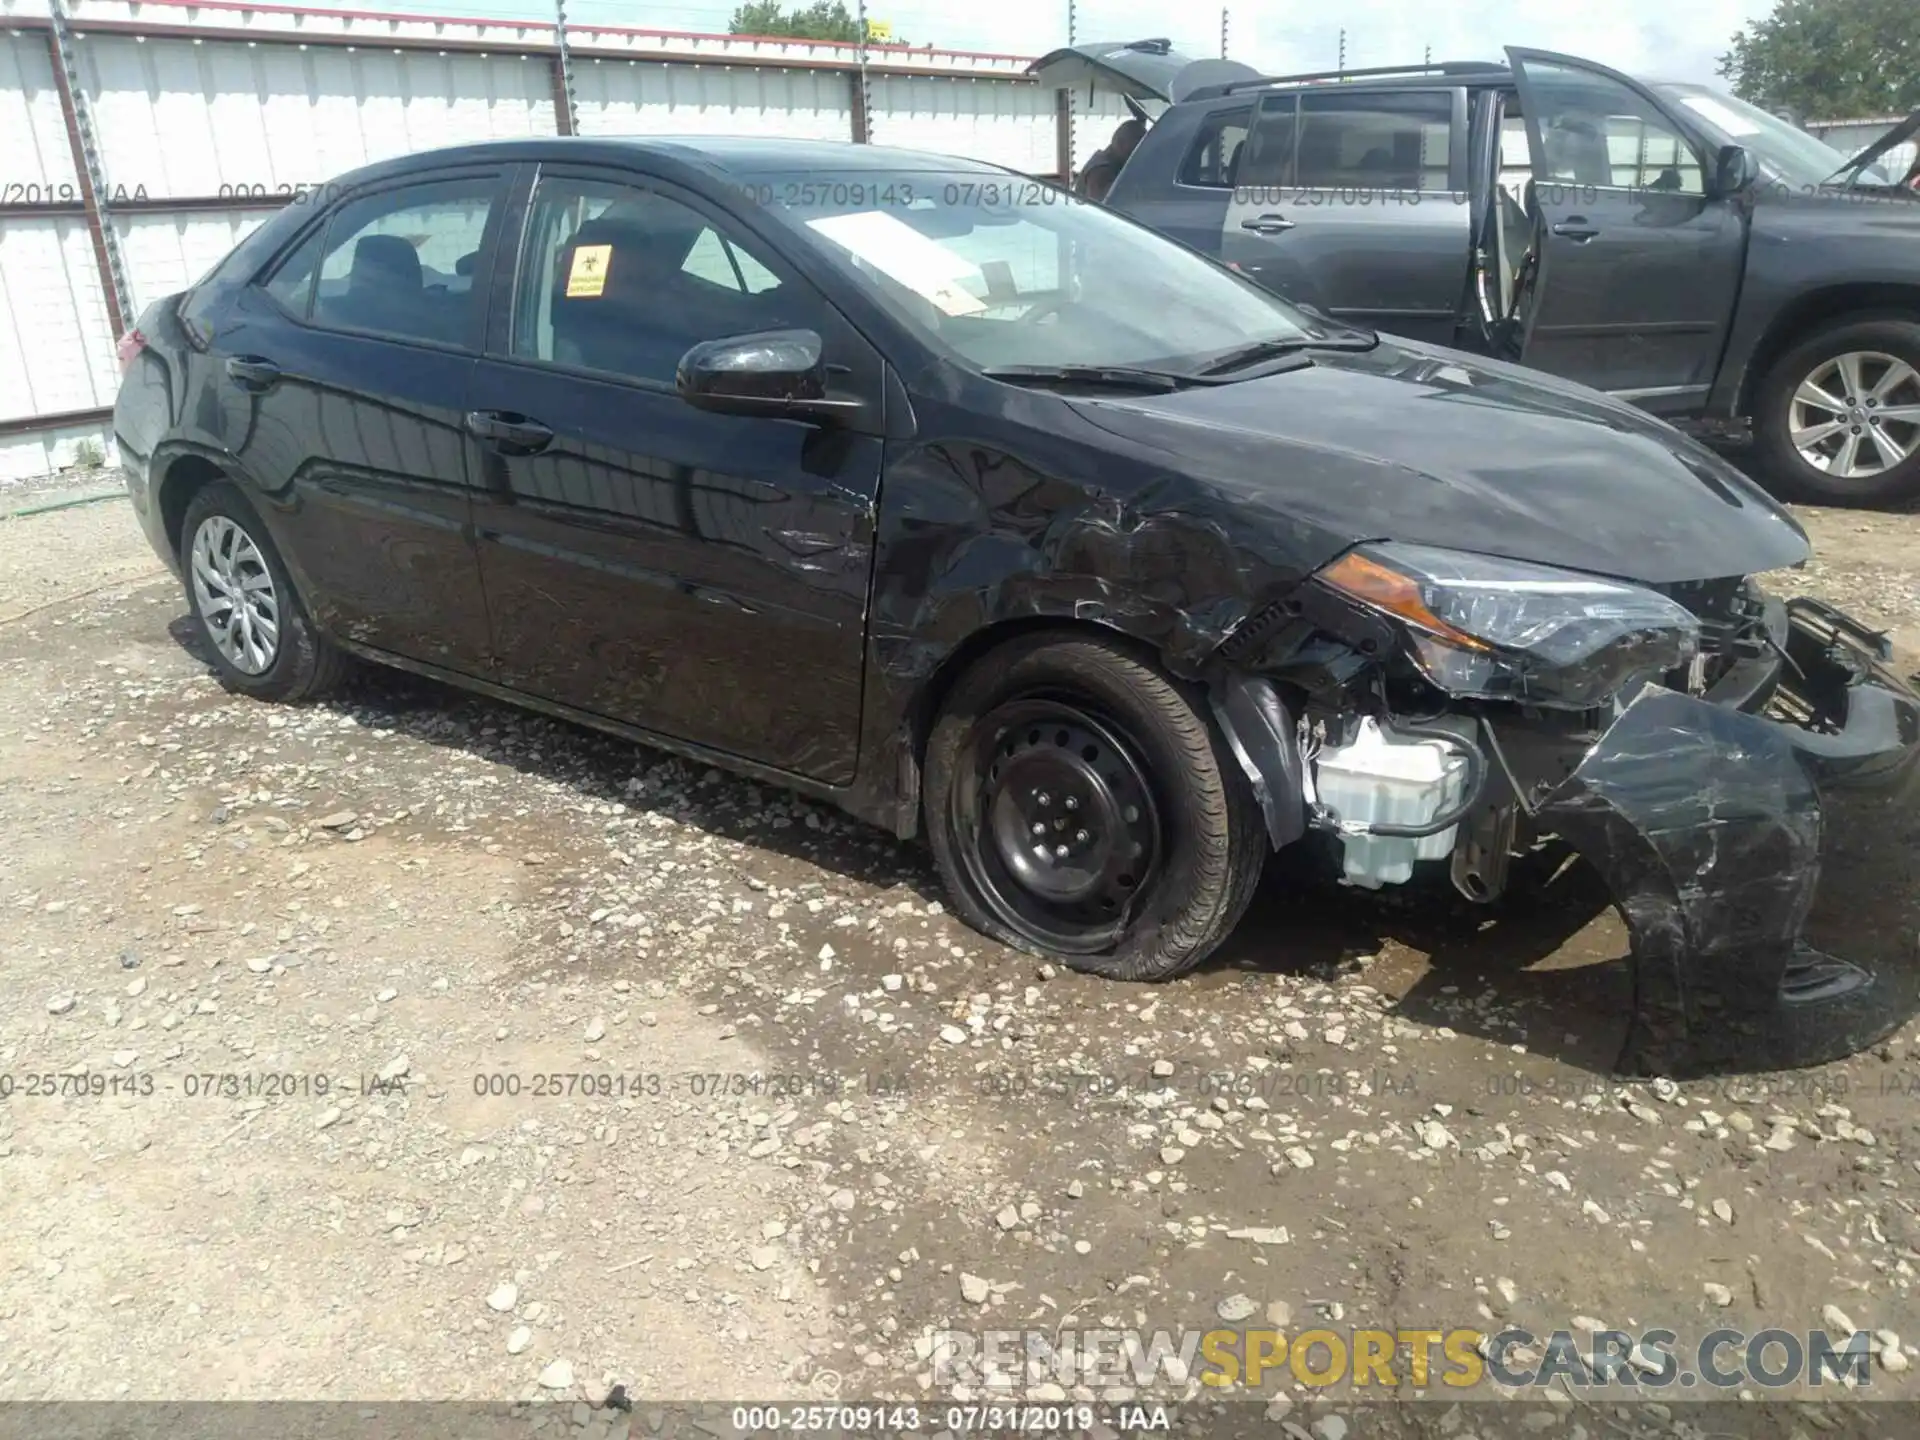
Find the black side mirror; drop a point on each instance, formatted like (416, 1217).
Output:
(775, 372)
(1734, 169)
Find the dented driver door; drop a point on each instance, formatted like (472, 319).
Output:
(702, 576)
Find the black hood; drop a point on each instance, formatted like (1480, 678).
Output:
(1418, 444)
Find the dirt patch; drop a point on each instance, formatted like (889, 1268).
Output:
(348, 1043)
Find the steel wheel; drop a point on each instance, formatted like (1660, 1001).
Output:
(1857, 415)
(234, 591)
(1063, 836)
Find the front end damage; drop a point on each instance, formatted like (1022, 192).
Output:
(1702, 793)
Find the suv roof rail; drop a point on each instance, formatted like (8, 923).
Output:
(1449, 67)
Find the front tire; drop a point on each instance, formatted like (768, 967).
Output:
(244, 603)
(1838, 416)
(1080, 805)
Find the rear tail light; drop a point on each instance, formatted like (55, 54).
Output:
(131, 344)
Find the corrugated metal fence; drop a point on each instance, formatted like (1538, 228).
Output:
(207, 115)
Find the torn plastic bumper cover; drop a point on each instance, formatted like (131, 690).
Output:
(1706, 823)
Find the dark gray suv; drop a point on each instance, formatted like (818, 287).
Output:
(1666, 243)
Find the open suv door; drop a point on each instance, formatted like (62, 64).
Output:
(1637, 254)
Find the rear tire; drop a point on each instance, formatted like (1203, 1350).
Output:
(244, 603)
(1828, 407)
(1080, 805)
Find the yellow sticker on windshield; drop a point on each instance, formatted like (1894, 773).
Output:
(588, 275)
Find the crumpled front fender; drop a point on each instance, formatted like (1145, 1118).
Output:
(1707, 826)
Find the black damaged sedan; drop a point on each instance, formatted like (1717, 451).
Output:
(912, 485)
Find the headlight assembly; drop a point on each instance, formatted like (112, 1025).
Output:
(1505, 630)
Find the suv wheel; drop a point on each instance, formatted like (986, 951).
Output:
(243, 601)
(1838, 416)
(1079, 804)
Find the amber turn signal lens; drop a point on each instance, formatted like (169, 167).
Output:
(1368, 581)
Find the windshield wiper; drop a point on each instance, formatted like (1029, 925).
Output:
(1118, 377)
(1297, 345)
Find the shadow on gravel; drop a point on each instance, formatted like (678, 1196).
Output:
(1546, 966)
(607, 769)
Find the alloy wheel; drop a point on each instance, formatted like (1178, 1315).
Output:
(1057, 823)
(233, 588)
(1857, 415)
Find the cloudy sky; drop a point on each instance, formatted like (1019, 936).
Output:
(1674, 39)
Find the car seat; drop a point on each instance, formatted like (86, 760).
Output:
(384, 288)
(633, 325)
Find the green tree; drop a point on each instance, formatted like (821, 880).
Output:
(1830, 59)
(822, 20)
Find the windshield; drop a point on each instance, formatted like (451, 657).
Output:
(1788, 153)
(1000, 271)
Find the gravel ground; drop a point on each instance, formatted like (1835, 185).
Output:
(432, 1031)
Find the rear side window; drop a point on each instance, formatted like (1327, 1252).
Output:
(401, 262)
(1267, 157)
(1216, 149)
(1392, 140)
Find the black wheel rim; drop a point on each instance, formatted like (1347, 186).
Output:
(1056, 823)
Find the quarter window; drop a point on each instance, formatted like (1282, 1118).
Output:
(1391, 140)
(292, 281)
(1216, 150)
(626, 280)
(401, 262)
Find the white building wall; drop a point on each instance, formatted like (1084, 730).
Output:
(179, 118)
(1011, 125)
(634, 97)
(36, 158)
(56, 345)
(236, 111)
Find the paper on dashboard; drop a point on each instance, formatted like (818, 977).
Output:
(904, 255)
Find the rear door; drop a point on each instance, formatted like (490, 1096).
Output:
(1639, 266)
(343, 375)
(1181, 179)
(1363, 194)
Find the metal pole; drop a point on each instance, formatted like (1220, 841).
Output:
(568, 121)
(1073, 110)
(1223, 32)
(91, 174)
(1343, 52)
(866, 91)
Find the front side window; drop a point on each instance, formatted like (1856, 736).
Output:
(621, 279)
(1216, 150)
(401, 262)
(1595, 131)
(1390, 140)
(1000, 271)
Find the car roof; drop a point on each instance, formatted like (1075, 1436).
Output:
(718, 154)
(1385, 77)
(1409, 77)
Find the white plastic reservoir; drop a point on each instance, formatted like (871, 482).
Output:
(1379, 779)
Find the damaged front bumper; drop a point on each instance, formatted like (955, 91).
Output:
(1707, 821)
